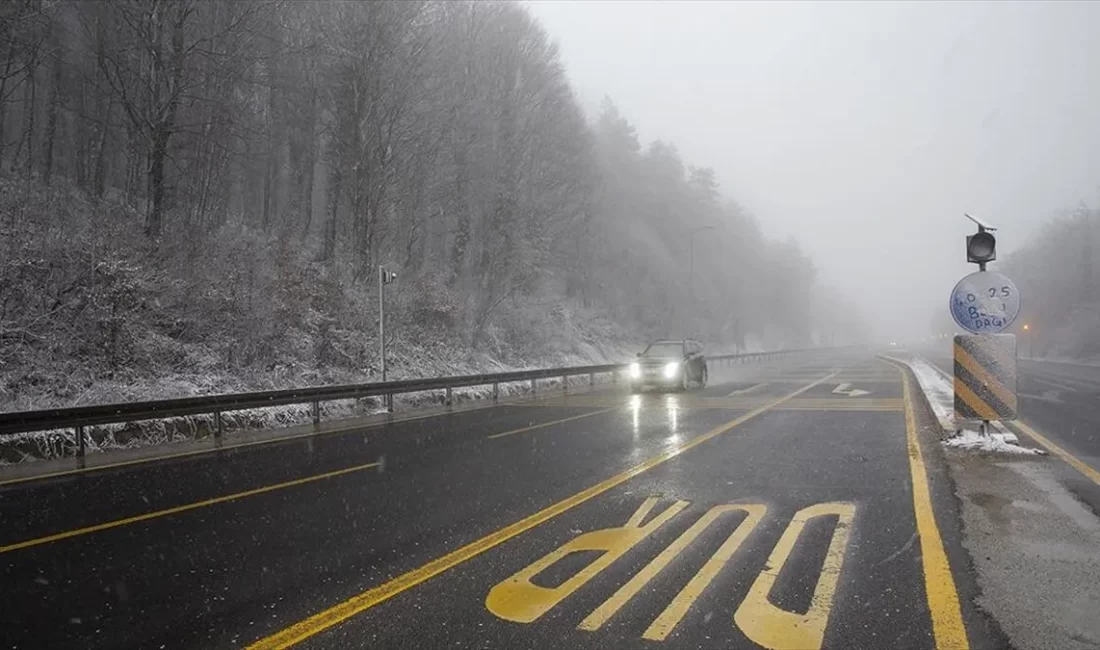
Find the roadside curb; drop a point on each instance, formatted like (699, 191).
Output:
(946, 425)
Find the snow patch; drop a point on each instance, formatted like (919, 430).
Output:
(994, 442)
(939, 390)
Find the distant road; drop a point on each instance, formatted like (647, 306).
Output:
(778, 507)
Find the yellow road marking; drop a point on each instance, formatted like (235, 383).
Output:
(252, 443)
(977, 371)
(939, 583)
(336, 614)
(1077, 464)
(779, 629)
(601, 614)
(977, 404)
(178, 509)
(540, 425)
(519, 599)
(663, 625)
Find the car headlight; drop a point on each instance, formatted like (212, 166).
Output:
(634, 371)
(671, 369)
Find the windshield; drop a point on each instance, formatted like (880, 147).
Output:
(665, 349)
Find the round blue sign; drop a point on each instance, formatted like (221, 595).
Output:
(985, 302)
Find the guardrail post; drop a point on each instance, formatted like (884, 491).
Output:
(532, 386)
(316, 412)
(80, 445)
(448, 399)
(565, 383)
(496, 391)
(389, 402)
(591, 379)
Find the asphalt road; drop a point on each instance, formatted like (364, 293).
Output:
(1061, 403)
(786, 505)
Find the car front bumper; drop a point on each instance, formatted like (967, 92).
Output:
(657, 380)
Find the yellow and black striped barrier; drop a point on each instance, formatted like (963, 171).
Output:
(985, 377)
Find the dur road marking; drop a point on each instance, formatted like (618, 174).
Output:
(939, 583)
(684, 600)
(184, 508)
(518, 599)
(521, 600)
(336, 614)
(779, 629)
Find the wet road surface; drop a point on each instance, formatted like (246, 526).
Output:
(794, 504)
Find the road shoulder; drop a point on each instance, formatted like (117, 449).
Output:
(1035, 548)
(1028, 550)
(982, 630)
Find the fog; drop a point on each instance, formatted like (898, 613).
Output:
(864, 129)
(553, 183)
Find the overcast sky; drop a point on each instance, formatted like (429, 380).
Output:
(864, 128)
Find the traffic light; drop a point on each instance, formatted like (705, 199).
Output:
(386, 276)
(981, 247)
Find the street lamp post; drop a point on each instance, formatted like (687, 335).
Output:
(1030, 346)
(384, 277)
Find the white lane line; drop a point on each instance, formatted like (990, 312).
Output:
(742, 391)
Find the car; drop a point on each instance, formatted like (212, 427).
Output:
(670, 363)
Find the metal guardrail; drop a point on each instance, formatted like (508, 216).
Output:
(79, 417)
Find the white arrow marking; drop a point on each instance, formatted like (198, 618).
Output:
(846, 389)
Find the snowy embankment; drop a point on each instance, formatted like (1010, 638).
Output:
(938, 389)
(39, 445)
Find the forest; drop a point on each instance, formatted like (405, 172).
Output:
(195, 195)
(1058, 276)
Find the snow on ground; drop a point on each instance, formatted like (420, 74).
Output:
(995, 442)
(939, 389)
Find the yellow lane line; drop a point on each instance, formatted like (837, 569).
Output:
(551, 423)
(939, 582)
(1053, 448)
(178, 509)
(336, 614)
(239, 445)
